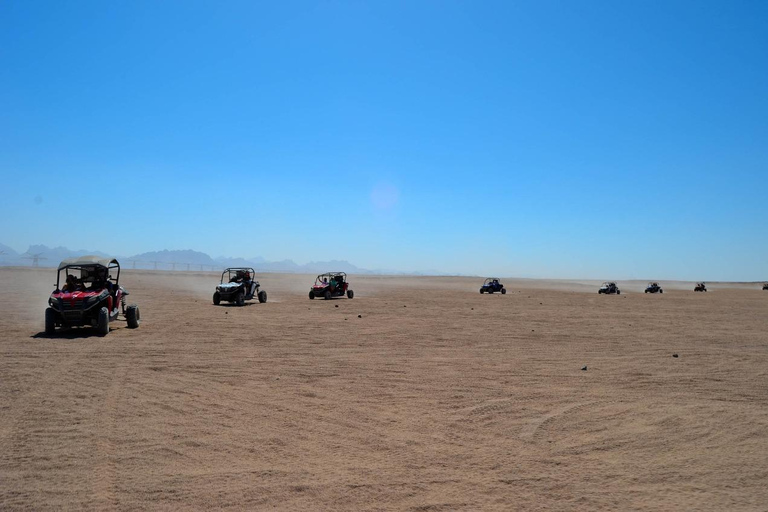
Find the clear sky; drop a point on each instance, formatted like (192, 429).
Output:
(602, 139)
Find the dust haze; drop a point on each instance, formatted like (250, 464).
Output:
(418, 394)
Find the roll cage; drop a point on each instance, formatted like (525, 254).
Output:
(236, 272)
(92, 270)
(331, 275)
(491, 280)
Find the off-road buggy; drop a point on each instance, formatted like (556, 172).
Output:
(331, 284)
(492, 285)
(92, 299)
(609, 288)
(765, 286)
(237, 285)
(700, 287)
(653, 288)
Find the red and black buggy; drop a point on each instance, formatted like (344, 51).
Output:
(89, 296)
(331, 284)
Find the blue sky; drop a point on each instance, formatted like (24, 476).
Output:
(538, 139)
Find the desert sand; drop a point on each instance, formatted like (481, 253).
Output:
(418, 394)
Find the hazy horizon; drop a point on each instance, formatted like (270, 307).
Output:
(540, 140)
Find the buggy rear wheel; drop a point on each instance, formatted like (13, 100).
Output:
(133, 316)
(50, 321)
(102, 324)
(350, 294)
(503, 291)
(262, 296)
(216, 298)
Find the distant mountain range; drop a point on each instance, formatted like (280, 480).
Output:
(43, 256)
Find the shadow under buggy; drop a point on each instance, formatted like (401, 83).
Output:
(237, 286)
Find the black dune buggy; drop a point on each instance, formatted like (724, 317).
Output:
(653, 288)
(609, 288)
(237, 285)
(765, 286)
(331, 284)
(89, 296)
(492, 285)
(700, 287)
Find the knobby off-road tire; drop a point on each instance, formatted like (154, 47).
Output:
(618, 292)
(311, 294)
(102, 324)
(133, 316)
(216, 298)
(350, 294)
(240, 299)
(50, 321)
(661, 291)
(503, 291)
(262, 296)
(327, 295)
(482, 291)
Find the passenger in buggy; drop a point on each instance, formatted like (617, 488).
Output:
(73, 284)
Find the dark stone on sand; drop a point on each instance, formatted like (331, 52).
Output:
(584, 368)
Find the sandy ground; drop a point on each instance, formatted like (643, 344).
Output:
(436, 398)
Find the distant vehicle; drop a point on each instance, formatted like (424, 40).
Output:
(492, 285)
(653, 288)
(92, 299)
(765, 286)
(237, 285)
(331, 284)
(700, 287)
(609, 288)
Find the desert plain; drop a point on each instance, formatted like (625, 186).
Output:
(419, 394)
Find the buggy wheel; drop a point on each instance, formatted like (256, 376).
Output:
(240, 299)
(618, 292)
(216, 298)
(503, 291)
(350, 294)
(50, 321)
(311, 294)
(102, 325)
(327, 295)
(661, 291)
(646, 291)
(482, 291)
(133, 316)
(262, 296)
